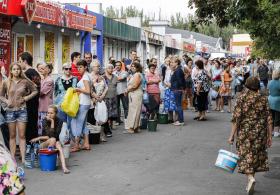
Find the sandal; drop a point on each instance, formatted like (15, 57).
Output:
(196, 118)
(66, 171)
(86, 148)
(202, 119)
(75, 149)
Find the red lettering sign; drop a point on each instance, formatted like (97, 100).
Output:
(54, 14)
(29, 9)
(5, 44)
(189, 47)
(3, 6)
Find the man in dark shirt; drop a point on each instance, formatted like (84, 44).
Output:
(25, 61)
(263, 73)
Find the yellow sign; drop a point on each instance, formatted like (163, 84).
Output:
(49, 47)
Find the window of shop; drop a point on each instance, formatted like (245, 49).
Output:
(23, 43)
(65, 49)
(49, 47)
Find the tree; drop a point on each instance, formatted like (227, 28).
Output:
(260, 18)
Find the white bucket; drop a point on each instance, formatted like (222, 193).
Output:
(66, 150)
(227, 161)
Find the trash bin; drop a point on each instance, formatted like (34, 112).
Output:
(152, 125)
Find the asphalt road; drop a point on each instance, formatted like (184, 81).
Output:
(171, 161)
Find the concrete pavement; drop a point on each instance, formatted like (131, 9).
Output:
(172, 161)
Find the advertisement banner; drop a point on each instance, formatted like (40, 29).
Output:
(3, 6)
(5, 44)
(55, 14)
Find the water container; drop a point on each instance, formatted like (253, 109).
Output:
(152, 125)
(227, 161)
(48, 160)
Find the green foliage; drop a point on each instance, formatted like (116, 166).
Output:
(260, 18)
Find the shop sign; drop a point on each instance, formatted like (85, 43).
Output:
(5, 44)
(248, 51)
(55, 14)
(79, 21)
(189, 47)
(30, 7)
(3, 6)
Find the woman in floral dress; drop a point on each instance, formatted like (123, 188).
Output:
(252, 124)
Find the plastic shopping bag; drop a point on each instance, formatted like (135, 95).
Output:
(146, 98)
(214, 94)
(64, 136)
(101, 113)
(70, 103)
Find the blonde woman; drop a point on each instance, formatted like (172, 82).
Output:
(15, 92)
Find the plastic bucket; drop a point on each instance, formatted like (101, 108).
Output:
(48, 160)
(152, 125)
(94, 138)
(227, 161)
(144, 123)
(66, 150)
(162, 118)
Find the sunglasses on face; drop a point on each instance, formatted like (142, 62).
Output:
(67, 69)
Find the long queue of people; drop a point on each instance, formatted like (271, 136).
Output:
(31, 99)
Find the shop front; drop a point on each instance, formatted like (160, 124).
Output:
(49, 32)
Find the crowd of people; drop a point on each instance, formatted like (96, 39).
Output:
(31, 99)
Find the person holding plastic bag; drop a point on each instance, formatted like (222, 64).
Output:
(62, 84)
(78, 124)
(252, 126)
(51, 126)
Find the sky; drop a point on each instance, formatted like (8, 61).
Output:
(149, 6)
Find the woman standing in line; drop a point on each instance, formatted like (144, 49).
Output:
(15, 92)
(225, 90)
(135, 96)
(63, 83)
(46, 94)
(274, 100)
(201, 88)
(78, 124)
(178, 85)
(252, 127)
(153, 90)
(217, 81)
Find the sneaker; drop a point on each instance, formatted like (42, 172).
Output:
(222, 111)
(109, 134)
(177, 123)
(276, 134)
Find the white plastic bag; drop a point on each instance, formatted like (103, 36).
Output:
(64, 136)
(214, 94)
(101, 113)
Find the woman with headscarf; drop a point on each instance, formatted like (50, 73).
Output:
(252, 127)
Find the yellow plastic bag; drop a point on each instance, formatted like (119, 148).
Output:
(70, 103)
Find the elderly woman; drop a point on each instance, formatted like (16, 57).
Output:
(201, 88)
(111, 99)
(153, 90)
(62, 83)
(135, 96)
(252, 125)
(274, 100)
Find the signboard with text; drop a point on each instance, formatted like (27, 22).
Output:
(5, 44)
(55, 14)
(3, 6)
(189, 47)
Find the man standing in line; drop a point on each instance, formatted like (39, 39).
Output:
(75, 57)
(132, 57)
(88, 59)
(121, 88)
(26, 61)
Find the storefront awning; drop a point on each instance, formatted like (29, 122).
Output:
(52, 13)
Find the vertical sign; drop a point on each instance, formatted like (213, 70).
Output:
(5, 44)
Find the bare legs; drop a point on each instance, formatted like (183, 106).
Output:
(21, 134)
(251, 184)
(61, 156)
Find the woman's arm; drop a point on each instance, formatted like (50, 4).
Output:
(46, 87)
(137, 82)
(3, 92)
(40, 138)
(86, 89)
(33, 89)
(233, 132)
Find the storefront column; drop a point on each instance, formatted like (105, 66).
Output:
(87, 43)
(99, 48)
